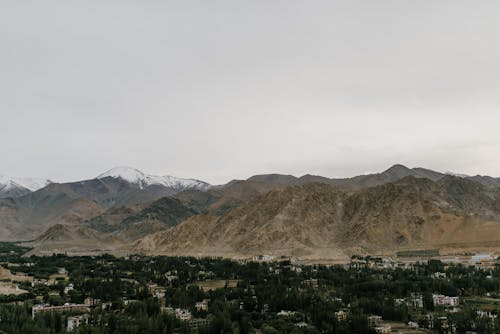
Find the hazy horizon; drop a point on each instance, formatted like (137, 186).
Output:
(228, 89)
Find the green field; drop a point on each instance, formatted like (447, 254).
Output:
(216, 284)
(8, 247)
(418, 253)
(484, 303)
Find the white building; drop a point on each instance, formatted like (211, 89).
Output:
(201, 306)
(77, 321)
(374, 321)
(438, 275)
(183, 314)
(341, 315)
(417, 301)
(485, 314)
(383, 329)
(413, 325)
(68, 288)
(284, 313)
(399, 301)
(442, 300)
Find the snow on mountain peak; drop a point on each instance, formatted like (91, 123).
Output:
(457, 174)
(30, 183)
(135, 176)
(128, 174)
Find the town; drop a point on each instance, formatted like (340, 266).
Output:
(264, 294)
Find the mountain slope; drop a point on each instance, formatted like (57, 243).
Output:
(309, 216)
(23, 218)
(317, 220)
(115, 228)
(32, 212)
(143, 180)
(16, 187)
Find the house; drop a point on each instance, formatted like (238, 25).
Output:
(417, 301)
(77, 321)
(92, 301)
(374, 321)
(171, 278)
(183, 314)
(301, 324)
(313, 282)
(383, 329)
(442, 300)
(39, 281)
(41, 308)
(399, 301)
(341, 315)
(284, 313)
(202, 306)
(68, 288)
(413, 325)
(196, 324)
(438, 275)
(167, 310)
(486, 314)
(263, 258)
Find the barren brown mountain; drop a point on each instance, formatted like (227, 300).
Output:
(310, 217)
(317, 220)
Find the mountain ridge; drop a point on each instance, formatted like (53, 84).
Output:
(306, 216)
(318, 220)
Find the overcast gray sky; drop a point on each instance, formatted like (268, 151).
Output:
(218, 90)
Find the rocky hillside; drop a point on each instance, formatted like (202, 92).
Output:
(16, 186)
(31, 211)
(310, 216)
(317, 220)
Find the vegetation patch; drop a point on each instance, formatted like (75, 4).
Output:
(418, 253)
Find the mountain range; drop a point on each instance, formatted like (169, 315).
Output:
(125, 210)
(17, 186)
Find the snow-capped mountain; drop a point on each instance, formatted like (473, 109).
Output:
(141, 179)
(463, 176)
(17, 186)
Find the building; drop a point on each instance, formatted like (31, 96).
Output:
(197, 323)
(301, 324)
(167, 310)
(183, 314)
(39, 281)
(341, 315)
(77, 321)
(486, 314)
(413, 325)
(438, 275)
(40, 308)
(383, 329)
(399, 301)
(374, 321)
(263, 258)
(201, 306)
(442, 300)
(284, 313)
(68, 288)
(313, 282)
(92, 302)
(417, 301)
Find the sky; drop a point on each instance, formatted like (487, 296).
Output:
(218, 90)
